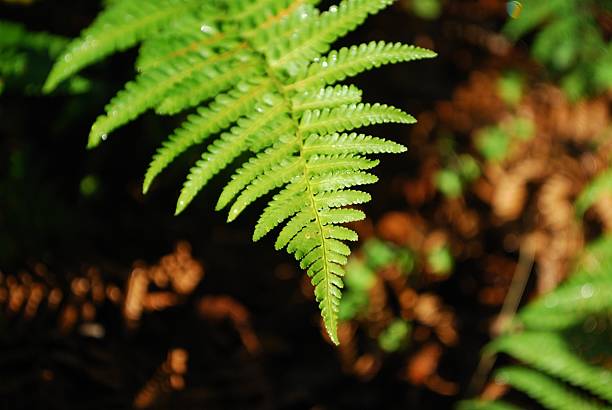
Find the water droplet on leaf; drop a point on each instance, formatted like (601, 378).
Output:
(586, 291)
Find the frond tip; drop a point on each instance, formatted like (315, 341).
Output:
(266, 96)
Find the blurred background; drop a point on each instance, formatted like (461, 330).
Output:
(108, 301)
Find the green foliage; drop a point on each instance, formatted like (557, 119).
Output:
(510, 88)
(89, 185)
(545, 389)
(550, 353)
(599, 186)
(257, 73)
(462, 171)
(394, 336)
(569, 42)
(449, 183)
(426, 9)
(459, 171)
(440, 260)
(359, 279)
(361, 273)
(554, 337)
(495, 142)
(585, 294)
(25, 58)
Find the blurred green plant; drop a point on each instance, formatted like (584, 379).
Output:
(462, 170)
(395, 336)
(510, 87)
(426, 9)
(568, 41)
(458, 170)
(598, 187)
(358, 281)
(494, 142)
(563, 341)
(440, 260)
(26, 58)
(361, 274)
(89, 185)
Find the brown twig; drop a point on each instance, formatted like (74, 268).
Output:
(507, 312)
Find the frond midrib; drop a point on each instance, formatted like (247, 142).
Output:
(327, 300)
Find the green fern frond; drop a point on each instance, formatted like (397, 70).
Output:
(348, 117)
(229, 146)
(348, 62)
(206, 85)
(585, 294)
(551, 393)
(550, 353)
(149, 89)
(570, 304)
(275, 177)
(278, 27)
(177, 41)
(350, 143)
(119, 27)
(314, 38)
(254, 167)
(327, 97)
(280, 110)
(554, 339)
(218, 115)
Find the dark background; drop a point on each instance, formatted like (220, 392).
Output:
(45, 218)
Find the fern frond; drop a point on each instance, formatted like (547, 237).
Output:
(328, 97)
(315, 37)
(159, 50)
(551, 393)
(585, 293)
(550, 353)
(286, 203)
(119, 27)
(276, 176)
(348, 62)
(278, 27)
(155, 50)
(150, 88)
(276, 107)
(350, 143)
(220, 114)
(335, 180)
(254, 167)
(229, 146)
(204, 86)
(348, 117)
(569, 304)
(248, 14)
